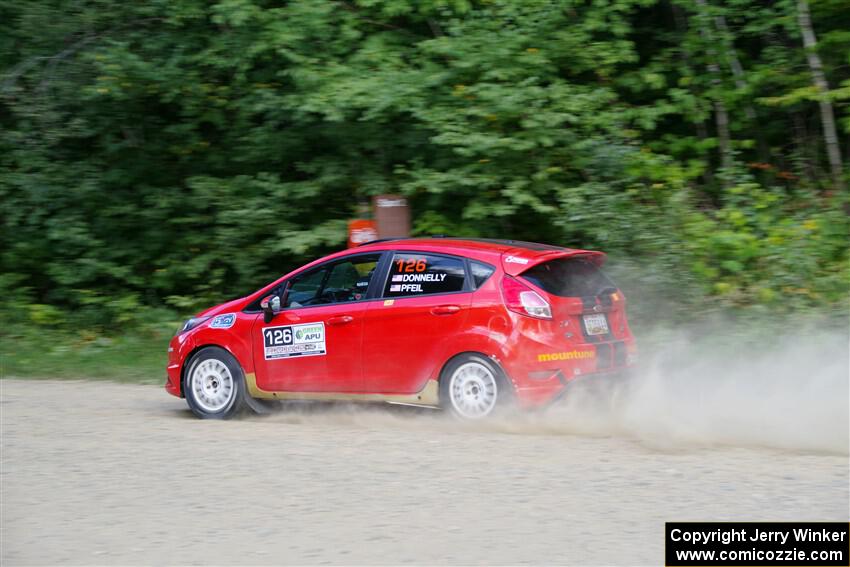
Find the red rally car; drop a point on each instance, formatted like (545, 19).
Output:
(462, 324)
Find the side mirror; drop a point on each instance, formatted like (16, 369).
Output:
(271, 307)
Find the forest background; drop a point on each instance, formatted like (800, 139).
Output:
(158, 157)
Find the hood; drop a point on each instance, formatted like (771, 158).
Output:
(234, 305)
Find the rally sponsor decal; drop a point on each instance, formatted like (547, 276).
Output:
(570, 355)
(516, 260)
(294, 340)
(223, 321)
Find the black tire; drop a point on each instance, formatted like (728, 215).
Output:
(214, 384)
(468, 398)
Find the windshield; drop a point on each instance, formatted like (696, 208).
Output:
(569, 277)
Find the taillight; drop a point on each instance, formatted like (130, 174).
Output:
(524, 300)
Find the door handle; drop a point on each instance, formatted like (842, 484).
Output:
(340, 320)
(445, 309)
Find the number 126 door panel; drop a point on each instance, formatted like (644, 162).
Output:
(314, 345)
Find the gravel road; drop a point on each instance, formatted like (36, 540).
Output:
(104, 473)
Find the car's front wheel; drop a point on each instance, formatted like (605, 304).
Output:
(214, 384)
(472, 387)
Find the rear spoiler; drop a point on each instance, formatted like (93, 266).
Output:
(517, 260)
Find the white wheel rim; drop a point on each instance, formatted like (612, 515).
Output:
(212, 384)
(473, 390)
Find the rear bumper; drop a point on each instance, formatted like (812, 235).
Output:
(542, 374)
(531, 397)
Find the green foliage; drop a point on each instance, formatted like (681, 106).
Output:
(754, 250)
(161, 156)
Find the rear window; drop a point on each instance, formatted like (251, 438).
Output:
(569, 277)
(420, 274)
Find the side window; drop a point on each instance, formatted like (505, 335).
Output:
(305, 288)
(349, 280)
(339, 282)
(480, 273)
(418, 274)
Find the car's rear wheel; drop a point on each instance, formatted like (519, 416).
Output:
(472, 387)
(214, 384)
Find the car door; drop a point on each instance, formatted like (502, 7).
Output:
(314, 343)
(424, 302)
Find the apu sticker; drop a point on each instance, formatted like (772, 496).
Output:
(294, 340)
(223, 321)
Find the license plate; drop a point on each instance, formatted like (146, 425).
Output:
(596, 324)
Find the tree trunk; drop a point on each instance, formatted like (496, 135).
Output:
(721, 116)
(724, 139)
(681, 24)
(803, 145)
(833, 151)
(708, 174)
(741, 84)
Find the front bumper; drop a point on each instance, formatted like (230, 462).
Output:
(173, 373)
(172, 383)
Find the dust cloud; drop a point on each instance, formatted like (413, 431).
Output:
(790, 393)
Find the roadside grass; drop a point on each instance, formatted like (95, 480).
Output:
(45, 354)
